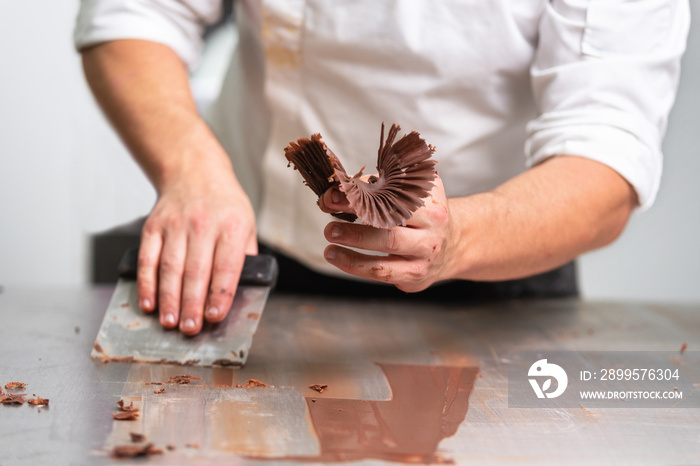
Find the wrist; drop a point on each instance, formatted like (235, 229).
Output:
(195, 158)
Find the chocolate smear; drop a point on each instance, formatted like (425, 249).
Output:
(132, 451)
(137, 437)
(319, 387)
(182, 379)
(15, 385)
(405, 176)
(39, 401)
(428, 404)
(158, 391)
(225, 362)
(684, 347)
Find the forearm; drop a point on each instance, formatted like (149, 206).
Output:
(539, 220)
(195, 239)
(143, 89)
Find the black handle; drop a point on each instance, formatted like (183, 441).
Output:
(260, 270)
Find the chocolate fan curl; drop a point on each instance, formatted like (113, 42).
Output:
(406, 174)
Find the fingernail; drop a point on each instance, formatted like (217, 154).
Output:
(146, 304)
(212, 313)
(336, 196)
(330, 254)
(189, 325)
(336, 231)
(169, 320)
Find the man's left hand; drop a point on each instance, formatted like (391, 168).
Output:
(413, 257)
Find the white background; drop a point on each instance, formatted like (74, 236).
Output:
(65, 175)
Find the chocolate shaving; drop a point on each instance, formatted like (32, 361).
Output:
(137, 437)
(39, 401)
(13, 399)
(15, 385)
(132, 451)
(319, 387)
(124, 407)
(127, 412)
(126, 415)
(252, 383)
(312, 158)
(182, 379)
(405, 170)
(159, 390)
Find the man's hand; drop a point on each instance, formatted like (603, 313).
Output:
(413, 257)
(194, 242)
(192, 250)
(539, 220)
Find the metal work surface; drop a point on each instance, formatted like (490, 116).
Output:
(406, 382)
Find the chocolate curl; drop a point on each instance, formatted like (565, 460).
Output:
(406, 176)
(312, 158)
(405, 170)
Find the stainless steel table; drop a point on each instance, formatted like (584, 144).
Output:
(406, 382)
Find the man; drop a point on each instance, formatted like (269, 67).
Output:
(584, 87)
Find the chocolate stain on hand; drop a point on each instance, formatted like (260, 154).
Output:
(406, 174)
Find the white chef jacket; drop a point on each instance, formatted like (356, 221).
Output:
(483, 81)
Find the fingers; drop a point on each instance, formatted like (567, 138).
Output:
(147, 268)
(407, 275)
(195, 281)
(226, 271)
(398, 241)
(333, 200)
(171, 265)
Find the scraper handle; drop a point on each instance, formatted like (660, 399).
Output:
(260, 270)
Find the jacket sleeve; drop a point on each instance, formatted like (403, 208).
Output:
(176, 23)
(604, 78)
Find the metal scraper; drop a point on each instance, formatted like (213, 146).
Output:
(129, 334)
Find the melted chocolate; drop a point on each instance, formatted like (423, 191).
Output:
(428, 404)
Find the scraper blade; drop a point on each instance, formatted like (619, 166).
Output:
(129, 334)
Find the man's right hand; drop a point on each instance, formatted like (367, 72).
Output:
(194, 242)
(192, 250)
